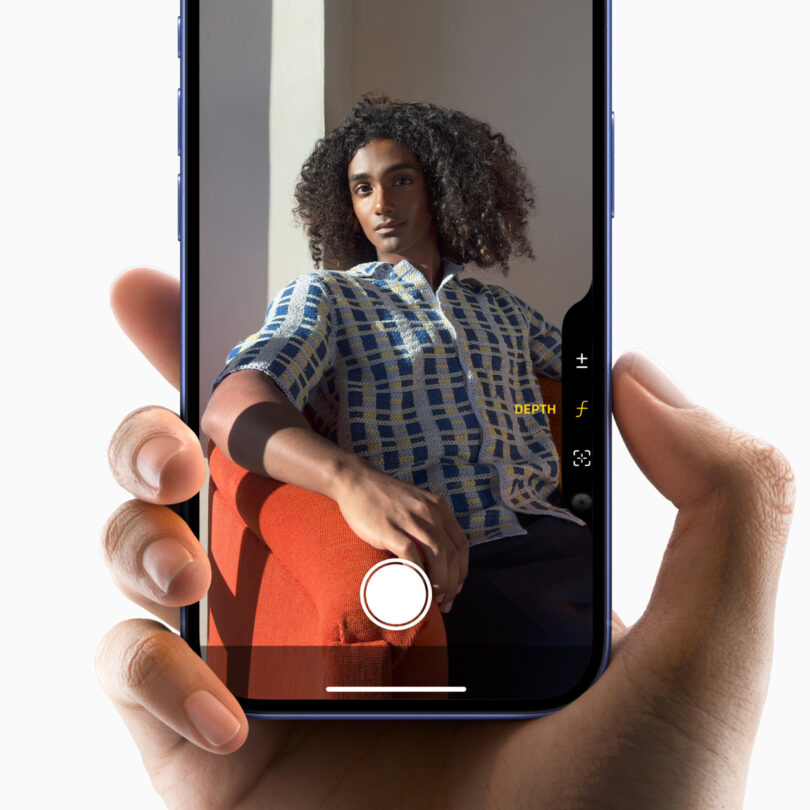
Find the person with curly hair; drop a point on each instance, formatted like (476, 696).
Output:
(410, 376)
(478, 192)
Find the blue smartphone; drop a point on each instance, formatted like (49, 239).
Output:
(395, 237)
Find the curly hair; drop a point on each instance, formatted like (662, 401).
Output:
(479, 193)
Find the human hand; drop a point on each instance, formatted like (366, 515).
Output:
(671, 722)
(409, 522)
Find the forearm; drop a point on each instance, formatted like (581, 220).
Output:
(254, 424)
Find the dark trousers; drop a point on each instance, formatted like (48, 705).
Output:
(523, 622)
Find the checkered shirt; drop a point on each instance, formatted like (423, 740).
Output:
(423, 384)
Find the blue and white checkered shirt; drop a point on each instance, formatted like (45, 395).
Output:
(423, 384)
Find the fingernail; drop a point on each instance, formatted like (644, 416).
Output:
(459, 589)
(446, 608)
(163, 560)
(211, 718)
(153, 456)
(658, 382)
(440, 599)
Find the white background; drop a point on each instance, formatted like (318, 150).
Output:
(711, 267)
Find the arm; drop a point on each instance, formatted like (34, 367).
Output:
(252, 422)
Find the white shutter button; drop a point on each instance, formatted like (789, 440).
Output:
(395, 594)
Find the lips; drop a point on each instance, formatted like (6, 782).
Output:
(388, 227)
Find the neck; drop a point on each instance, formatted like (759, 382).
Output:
(428, 262)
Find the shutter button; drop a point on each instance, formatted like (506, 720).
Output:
(395, 594)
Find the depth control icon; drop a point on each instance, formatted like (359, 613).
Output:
(395, 594)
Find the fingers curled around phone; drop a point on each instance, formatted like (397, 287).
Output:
(155, 559)
(149, 672)
(157, 457)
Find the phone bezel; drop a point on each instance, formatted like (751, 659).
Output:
(188, 233)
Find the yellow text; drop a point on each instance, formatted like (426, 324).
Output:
(536, 407)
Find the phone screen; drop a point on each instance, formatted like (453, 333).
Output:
(399, 215)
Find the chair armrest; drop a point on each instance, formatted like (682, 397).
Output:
(308, 535)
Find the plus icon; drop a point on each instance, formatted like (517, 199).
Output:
(582, 361)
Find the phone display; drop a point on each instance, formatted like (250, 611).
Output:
(395, 235)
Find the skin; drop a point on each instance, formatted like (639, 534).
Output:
(670, 724)
(388, 188)
(248, 410)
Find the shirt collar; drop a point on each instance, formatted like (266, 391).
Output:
(405, 271)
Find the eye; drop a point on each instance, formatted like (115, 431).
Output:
(362, 188)
(403, 181)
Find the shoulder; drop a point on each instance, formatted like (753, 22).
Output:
(332, 280)
(493, 292)
(321, 291)
(326, 285)
(354, 285)
(504, 301)
(306, 295)
(300, 285)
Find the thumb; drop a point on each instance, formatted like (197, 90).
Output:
(734, 493)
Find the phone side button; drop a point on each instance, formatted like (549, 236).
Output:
(179, 122)
(179, 208)
(612, 164)
(179, 37)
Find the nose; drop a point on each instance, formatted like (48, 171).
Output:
(382, 203)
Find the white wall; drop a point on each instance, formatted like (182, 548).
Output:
(524, 67)
(234, 176)
(296, 122)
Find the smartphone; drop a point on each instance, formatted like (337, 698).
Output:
(397, 218)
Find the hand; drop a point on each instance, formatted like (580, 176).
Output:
(410, 523)
(670, 724)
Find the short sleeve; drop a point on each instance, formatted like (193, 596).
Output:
(295, 347)
(545, 344)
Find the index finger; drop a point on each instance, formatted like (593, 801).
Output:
(146, 304)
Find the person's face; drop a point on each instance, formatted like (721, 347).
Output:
(391, 202)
